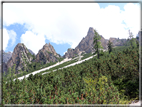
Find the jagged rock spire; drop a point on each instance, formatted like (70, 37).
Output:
(47, 54)
(20, 57)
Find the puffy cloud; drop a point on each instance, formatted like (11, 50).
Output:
(33, 41)
(8, 35)
(5, 39)
(131, 17)
(69, 22)
(12, 36)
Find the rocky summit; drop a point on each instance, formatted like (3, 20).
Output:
(86, 45)
(47, 54)
(20, 57)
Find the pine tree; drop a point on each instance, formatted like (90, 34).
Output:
(110, 46)
(97, 43)
(132, 40)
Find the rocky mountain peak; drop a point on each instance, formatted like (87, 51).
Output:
(47, 54)
(91, 30)
(20, 56)
(87, 45)
(49, 48)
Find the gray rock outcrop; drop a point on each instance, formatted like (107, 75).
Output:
(47, 54)
(87, 44)
(20, 57)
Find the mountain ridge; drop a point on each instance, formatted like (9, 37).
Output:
(48, 54)
(86, 44)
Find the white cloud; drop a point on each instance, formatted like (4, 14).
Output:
(5, 39)
(131, 17)
(12, 36)
(33, 41)
(69, 22)
(8, 35)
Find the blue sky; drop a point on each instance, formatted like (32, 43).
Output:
(64, 26)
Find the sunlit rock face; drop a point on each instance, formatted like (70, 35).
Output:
(47, 54)
(20, 56)
(87, 45)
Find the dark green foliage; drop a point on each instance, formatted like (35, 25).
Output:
(30, 68)
(131, 41)
(60, 59)
(97, 43)
(112, 79)
(109, 46)
(86, 56)
(30, 55)
(61, 65)
(33, 57)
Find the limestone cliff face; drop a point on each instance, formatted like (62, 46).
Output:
(47, 54)
(87, 45)
(69, 53)
(104, 42)
(118, 42)
(20, 56)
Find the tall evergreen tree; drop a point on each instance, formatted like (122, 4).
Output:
(109, 46)
(97, 43)
(132, 40)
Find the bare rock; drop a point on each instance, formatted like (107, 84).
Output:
(69, 53)
(20, 56)
(117, 42)
(47, 54)
(87, 44)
